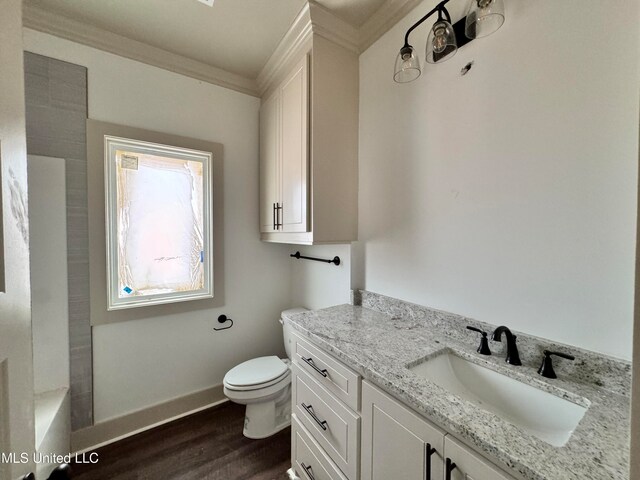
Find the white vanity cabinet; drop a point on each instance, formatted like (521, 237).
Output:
(469, 465)
(308, 457)
(324, 408)
(400, 444)
(396, 442)
(344, 427)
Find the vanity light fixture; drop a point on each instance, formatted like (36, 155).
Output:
(483, 18)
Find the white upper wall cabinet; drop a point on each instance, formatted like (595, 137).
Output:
(284, 154)
(269, 143)
(294, 154)
(309, 148)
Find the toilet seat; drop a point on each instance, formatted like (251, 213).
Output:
(257, 373)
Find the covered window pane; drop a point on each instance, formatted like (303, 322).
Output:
(159, 222)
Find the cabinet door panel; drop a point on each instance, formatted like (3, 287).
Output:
(338, 379)
(294, 144)
(394, 440)
(340, 436)
(309, 460)
(470, 465)
(268, 162)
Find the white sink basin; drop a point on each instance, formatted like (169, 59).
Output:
(548, 417)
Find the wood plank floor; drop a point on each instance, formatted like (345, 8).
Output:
(208, 445)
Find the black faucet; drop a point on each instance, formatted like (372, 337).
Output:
(546, 369)
(513, 357)
(483, 349)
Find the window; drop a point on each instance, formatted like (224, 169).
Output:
(158, 201)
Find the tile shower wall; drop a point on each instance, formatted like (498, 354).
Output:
(56, 108)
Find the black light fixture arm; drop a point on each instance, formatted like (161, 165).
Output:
(440, 9)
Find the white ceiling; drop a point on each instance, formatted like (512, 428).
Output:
(238, 36)
(356, 12)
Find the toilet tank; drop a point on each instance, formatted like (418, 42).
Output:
(286, 329)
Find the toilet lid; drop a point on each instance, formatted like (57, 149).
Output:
(256, 371)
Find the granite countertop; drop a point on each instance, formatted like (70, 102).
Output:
(380, 341)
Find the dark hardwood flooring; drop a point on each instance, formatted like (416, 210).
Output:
(208, 445)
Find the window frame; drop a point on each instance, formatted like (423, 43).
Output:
(111, 145)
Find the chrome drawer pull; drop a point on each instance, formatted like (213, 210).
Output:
(309, 409)
(309, 361)
(308, 471)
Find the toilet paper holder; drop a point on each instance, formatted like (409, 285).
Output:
(223, 319)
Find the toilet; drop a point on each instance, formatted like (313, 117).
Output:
(263, 384)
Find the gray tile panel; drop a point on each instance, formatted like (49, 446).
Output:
(56, 108)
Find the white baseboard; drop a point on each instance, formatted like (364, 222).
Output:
(110, 431)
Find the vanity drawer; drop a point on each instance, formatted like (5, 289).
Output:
(330, 423)
(309, 461)
(330, 373)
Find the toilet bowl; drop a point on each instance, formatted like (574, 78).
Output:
(263, 384)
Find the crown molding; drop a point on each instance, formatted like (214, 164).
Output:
(390, 13)
(37, 18)
(295, 38)
(313, 19)
(326, 24)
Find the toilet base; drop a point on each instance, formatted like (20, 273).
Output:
(258, 432)
(292, 475)
(263, 419)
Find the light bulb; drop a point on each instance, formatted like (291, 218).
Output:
(439, 40)
(483, 17)
(407, 66)
(441, 44)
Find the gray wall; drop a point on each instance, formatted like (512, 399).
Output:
(56, 110)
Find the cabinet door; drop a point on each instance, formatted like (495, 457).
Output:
(307, 457)
(395, 440)
(269, 145)
(294, 136)
(469, 465)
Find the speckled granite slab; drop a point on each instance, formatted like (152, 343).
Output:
(383, 336)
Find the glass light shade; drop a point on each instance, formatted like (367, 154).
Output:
(407, 67)
(484, 17)
(441, 44)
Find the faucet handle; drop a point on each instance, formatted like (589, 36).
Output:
(483, 349)
(546, 369)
